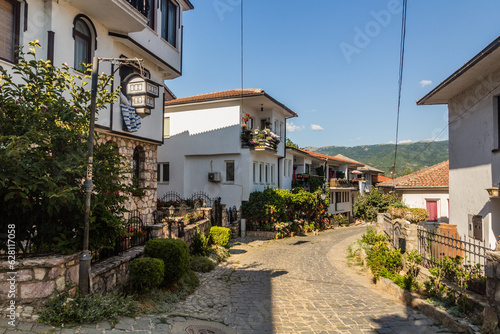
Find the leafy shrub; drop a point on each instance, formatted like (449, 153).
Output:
(220, 253)
(145, 274)
(369, 205)
(189, 282)
(175, 256)
(200, 244)
(62, 309)
(371, 237)
(201, 264)
(384, 261)
(220, 235)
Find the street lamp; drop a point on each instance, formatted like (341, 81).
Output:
(85, 257)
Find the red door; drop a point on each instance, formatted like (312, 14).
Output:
(433, 211)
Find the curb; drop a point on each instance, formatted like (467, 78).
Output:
(456, 324)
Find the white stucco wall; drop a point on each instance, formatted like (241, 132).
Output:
(418, 198)
(44, 16)
(473, 165)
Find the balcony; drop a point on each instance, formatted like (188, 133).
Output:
(344, 184)
(119, 16)
(260, 140)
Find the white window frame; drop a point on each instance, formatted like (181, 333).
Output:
(254, 174)
(160, 173)
(166, 127)
(261, 173)
(226, 162)
(267, 174)
(273, 167)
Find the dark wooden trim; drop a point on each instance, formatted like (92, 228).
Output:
(88, 21)
(25, 15)
(113, 34)
(17, 27)
(50, 46)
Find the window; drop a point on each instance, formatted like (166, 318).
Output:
(230, 171)
(273, 167)
(9, 26)
(163, 173)
(169, 22)
(151, 10)
(285, 166)
(289, 168)
(261, 171)
(263, 122)
(166, 127)
(249, 123)
(281, 129)
(254, 172)
(84, 37)
(267, 173)
(275, 128)
(139, 158)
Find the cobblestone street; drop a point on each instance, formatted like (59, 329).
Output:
(294, 285)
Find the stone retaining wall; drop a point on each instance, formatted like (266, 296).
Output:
(261, 234)
(493, 284)
(39, 278)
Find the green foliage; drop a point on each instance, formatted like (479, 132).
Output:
(383, 261)
(63, 310)
(189, 281)
(290, 143)
(369, 205)
(145, 274)
(315, 183)
(220, 253)
(44, 122)
(220, 235)
(201, 264)
(413, 215)
(382, 156)
(371, 237)
(279, 205)
(200, 244)
(175, 256)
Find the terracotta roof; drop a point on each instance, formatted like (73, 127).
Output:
(227, 94)
(380, 178)
(367, 168)
(434, 176)
(329, 157)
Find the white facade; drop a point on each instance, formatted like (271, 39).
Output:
(205, 137)
(418, 198)
(472, 98)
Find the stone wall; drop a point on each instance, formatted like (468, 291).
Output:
(39, 278)
(146, 204)
(493, 287)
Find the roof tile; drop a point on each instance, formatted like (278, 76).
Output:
(434, 176)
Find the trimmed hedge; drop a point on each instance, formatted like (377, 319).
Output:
(145, 274)
(220, 235)
(175, 255)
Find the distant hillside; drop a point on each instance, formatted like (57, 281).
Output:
(382, 156)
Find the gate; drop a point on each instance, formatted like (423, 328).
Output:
(217, 212)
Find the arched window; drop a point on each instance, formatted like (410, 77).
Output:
(138, 166)
(85, 37)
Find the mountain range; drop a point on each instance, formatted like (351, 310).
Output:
(411, 157)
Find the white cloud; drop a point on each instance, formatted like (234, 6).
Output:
(355, 139)
(316, 127)
(424, 83)
(290, 127)
(407, 141)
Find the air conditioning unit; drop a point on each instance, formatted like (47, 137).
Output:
(214, 176)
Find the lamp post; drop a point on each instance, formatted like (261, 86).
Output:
(85, 257)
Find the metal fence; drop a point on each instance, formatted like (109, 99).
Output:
(136, 234)
(435, 246)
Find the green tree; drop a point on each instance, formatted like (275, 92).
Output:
(44, 122)
(407, 171)
(369, 205)
(290, 143)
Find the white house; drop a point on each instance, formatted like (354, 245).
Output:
(336, 173)
(472, 95)
(74, 31)
(425, 189)
(226, 144)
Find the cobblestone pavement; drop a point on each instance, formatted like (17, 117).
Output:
(294, 285)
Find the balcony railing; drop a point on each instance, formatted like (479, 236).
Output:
(141, 5)
(343, 183)
(263, 139)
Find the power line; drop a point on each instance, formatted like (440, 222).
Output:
(400, 82)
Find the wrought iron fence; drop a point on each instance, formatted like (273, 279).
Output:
(232, 214)
(434, 246)
(141, 5)
(171, 196)
(136, 234)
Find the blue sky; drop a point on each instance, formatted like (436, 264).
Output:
(336, 62)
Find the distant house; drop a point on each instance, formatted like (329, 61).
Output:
(425, 189)
(225, 144)
(472, 94)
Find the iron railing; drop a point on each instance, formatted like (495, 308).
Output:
(141, 5)
(136, 234)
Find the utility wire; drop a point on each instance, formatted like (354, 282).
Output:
(400, 82)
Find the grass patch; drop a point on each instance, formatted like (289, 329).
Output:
(63, 310)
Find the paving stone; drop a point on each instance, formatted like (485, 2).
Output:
(84, 330)
(104, 325)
